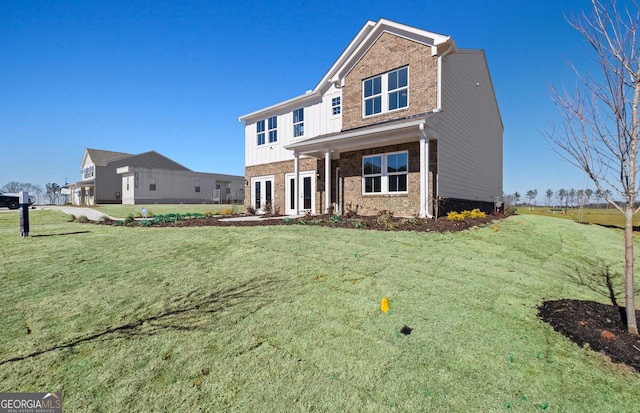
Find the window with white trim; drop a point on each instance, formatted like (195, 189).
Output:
(386, 92)
(260, 131)
(273, 129)
(385, 173)
(298, 122)
(336, 108)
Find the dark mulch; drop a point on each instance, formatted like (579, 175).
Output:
(355, 222)
(598, 325)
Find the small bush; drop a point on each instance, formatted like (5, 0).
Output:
(335, 219)
(413, 222)
(268, 208)
(82, 219)
(461, 216)
(145, 223)
(511, 211)
(385, 219)
(358, 223)
(129, 219)
(251, 210)
(228, 211)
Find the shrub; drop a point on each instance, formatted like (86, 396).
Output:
(82, 219)
(268, 208)
(511, 210)
(461, 216)
(145, 223)
(129, 219)
(385, 219)
(411, 222)
(228, 211)
(358, 223)
(207, 214)
(251, 210)
(335, 219)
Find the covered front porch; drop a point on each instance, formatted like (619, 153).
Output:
(83, 193)
(404, 133)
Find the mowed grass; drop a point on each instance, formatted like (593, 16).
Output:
(287, 318)
(602, 216)
(121, 211)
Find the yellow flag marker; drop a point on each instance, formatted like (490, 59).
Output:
(384, 305)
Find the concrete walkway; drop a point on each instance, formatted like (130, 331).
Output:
(90, 213)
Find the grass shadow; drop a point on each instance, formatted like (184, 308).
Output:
(64, 233)
(187, 313)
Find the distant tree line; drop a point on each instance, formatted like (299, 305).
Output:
(562, 198)
(52, 191)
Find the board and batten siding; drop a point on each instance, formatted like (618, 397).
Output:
(318, 120)
(470, 130)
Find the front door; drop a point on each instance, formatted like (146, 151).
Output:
(306, 195)
(262, 193)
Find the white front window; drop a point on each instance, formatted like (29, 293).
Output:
(386, 92)
(385, 173)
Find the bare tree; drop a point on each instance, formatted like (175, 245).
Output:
(561, 194)
(53, 193)
(15, 187)
(549, 195)
(601, 118)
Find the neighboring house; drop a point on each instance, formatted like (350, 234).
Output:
(149, 178)
(403, 121)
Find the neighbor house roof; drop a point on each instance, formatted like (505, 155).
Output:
(101, 158)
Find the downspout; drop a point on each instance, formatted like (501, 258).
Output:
(452, 46)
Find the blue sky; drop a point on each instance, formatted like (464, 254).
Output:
(174, 76)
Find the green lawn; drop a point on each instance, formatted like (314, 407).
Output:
(603, 216)
(287, 318)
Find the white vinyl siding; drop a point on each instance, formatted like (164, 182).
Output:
(318, 120)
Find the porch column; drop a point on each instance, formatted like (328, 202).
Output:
(327, 180)
(424, 177)
(296, 172)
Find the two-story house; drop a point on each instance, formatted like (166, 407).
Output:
(149, 178)
(404, 121)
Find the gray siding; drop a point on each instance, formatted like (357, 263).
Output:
(470, 129)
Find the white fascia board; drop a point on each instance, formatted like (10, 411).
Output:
(282, 107)
(434, 40)
(367, 135)
(346, 54)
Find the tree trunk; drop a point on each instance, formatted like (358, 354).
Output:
(632, 325)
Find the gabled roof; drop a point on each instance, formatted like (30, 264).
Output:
(366, 38)
(150, 159)
(358, 47)
(101, 158)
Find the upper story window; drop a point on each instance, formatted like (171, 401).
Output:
(273, 129)
(298, 122)
(88, 172)
(335, 106)
(386, 92)
(385, 173)
(260, 131)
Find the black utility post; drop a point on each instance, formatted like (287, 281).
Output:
(24, 213)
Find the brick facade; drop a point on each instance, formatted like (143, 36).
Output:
(390, 52)
(279, 170)
(370, 204)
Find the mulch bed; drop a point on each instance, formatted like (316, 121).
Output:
(358, 222)
(597, 325)
(584, 322)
